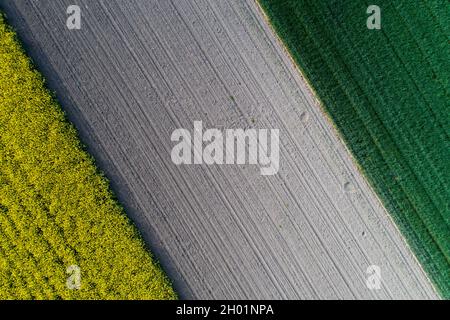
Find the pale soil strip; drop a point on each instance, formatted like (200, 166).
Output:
(140, 69)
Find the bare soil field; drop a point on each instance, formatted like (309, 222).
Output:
(138, 70)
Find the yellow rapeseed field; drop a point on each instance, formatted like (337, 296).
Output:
(56, 209)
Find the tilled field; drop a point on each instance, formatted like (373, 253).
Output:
(138, 70)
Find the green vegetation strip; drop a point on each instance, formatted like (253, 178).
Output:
(387, 91)
(56, 209)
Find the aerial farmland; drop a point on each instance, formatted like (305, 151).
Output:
(208, 149)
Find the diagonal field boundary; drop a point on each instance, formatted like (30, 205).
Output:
(139, 69)
(62, 233)
(387, 91)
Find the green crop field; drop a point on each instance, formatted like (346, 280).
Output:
(387, 91)
(56, 209)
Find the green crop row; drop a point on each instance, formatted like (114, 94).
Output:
(387, 91)
(56, 209)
